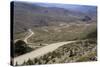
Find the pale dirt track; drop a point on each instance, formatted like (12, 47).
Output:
(30, 33)
(39, 52)
(28, 36)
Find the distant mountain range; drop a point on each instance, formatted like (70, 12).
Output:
(29, 15)
(82, 8)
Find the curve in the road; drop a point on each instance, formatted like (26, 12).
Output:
(39, 52)
(28, 36)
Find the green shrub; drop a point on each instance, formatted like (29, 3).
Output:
(29, 62)
(20, 47)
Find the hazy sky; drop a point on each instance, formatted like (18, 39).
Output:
(85, 2)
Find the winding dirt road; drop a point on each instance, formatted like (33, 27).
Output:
(28, 36)
(39, 52)
(30, 33)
